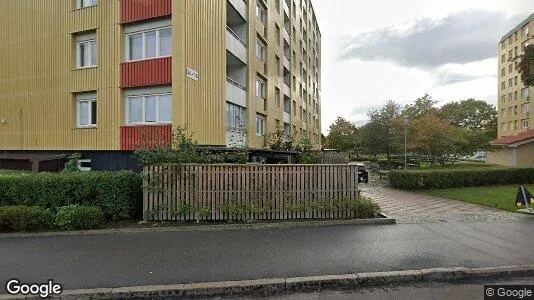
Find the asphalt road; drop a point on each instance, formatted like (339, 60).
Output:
(114, 260)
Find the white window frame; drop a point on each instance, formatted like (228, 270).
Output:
(260, 50)
(79, 165)
(261, 14)
(239, 115)
(86, 3)
(143, 43)
(261, 86)
(88, 45)
(144, 97)
(89, 98)
(260, 125)
(526, 124)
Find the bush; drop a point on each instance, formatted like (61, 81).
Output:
(442, 179)
(79, 217)
(25, 218)
(118, 194)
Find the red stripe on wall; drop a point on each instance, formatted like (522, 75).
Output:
(146, 137)
(146, 72)
(138, 10)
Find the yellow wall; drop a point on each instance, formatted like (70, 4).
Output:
(525, 155)
(502, 157)
(38, 75)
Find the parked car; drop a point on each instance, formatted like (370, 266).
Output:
(363, 175)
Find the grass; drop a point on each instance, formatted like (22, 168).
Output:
(502, 196)
(458, 166)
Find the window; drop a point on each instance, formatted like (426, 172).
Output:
(260, 12)
(503, 72)
(510, 82)
(287, 131)
(526, 124)
(277, 97)
(85, 3)
(503, 99)
(515, 125)
(510, 68)
(515, 80)
(86, 53)
(503, 58)
(510, 54)
(525, 94)
(515, 110)
(526, 31)
(84, 165)
(524, 108)
(260, 125)
(277, 34)
(515, 95)
(515, 51)
(503, 126)
(503, 85)
(502, 112)
(260, 88)
(510, 111)
(236, 119)
(86, 111)
(510, 97)
(260, 50)
(153, 108)
(510, 126)
(148, 44)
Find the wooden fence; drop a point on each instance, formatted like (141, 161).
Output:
(249, 192)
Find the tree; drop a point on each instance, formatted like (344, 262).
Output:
(436, 139)
(379, 135)
(421, 107)
(526, 66)
(477, 117)
(343, 135)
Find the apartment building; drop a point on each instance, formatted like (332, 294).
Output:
(514, 145)
(104, 77)
(514, 105)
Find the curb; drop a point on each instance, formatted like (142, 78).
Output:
(295, 284)
(385, 220)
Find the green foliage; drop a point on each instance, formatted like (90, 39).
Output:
(118, 194)
(72, 163)
(25, 218)
(343, 135)
(278, 140)
(306, 155)
(447, 178)
(526, 66)
(420, 107)
(186, 150)
(379, 135)
(79, 217)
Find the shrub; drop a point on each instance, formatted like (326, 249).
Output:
(441, 179)
(25, 218)
(79, 217)
(118, 194)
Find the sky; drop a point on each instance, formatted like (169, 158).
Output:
(380, 50)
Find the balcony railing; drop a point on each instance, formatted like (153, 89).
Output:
(233, 82)
(236, 36)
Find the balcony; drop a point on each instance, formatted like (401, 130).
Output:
(240, 6)
(286, 35)
(287, 90)
(146, 137)
(286, 8)
(287, 64)
(236, 93)
(287, 117)
(235, 45)
(146, 72)
(135, 10)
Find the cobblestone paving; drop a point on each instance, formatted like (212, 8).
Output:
(409, 207)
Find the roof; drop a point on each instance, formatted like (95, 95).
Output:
(514, 139)
(509, 33)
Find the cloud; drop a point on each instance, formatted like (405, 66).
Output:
(463, 37)
(445, 77)
(363, 110)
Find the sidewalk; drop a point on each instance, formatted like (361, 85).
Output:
(409, 207)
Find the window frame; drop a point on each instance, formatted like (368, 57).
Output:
(143, 33)
(87, 99)
(263, 90)
(261, 49)
(260, 125)
(261, 12)
(144, 97)
(79, 45)
(239, 117)
(79, 4)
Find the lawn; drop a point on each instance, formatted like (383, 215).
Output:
(502, 196)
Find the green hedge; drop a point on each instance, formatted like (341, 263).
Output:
(441, 179)
(25, 218)
(79, 217)
(118, 194)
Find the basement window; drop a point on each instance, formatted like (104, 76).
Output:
(85, 3)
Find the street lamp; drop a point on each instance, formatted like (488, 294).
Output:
(406, 121)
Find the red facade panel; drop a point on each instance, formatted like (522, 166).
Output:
(146, 137)
(146, 72)
(138, 10)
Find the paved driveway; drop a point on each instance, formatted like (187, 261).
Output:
(409, 207)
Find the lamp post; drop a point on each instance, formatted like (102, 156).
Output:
(406, 121)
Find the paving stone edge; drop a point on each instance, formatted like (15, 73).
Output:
(296, 284)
